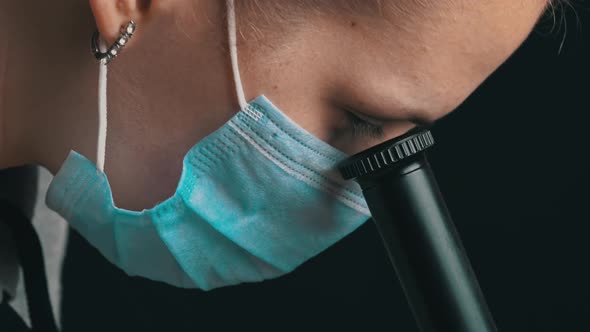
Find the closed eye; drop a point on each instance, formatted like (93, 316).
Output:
(363, 129)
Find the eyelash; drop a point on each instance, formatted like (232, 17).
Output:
(363, 129)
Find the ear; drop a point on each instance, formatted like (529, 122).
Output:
(111, 15)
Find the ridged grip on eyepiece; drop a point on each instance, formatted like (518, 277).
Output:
(387, 154)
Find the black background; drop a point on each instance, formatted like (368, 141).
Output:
(513, 167)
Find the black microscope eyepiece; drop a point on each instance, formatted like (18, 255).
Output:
(416, 228)
(387, 155)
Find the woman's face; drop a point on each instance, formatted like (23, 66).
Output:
(416, 62)
(413, 61)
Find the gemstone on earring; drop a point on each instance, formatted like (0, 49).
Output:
(117, 47)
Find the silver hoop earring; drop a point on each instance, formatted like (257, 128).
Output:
(113, 51)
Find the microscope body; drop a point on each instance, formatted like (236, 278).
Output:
(419, 235)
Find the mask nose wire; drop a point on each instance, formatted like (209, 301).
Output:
(102, 111)
(233, 50)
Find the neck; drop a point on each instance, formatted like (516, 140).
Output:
(177, 61)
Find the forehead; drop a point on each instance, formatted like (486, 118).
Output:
(424, 19)
(382, 18)
(427, 22)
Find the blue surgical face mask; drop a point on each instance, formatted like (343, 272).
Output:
(256, 198)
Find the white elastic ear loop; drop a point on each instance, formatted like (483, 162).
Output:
(102, 111)
(102, 85)
(233, 49)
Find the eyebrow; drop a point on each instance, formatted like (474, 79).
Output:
(423, 122)
(419, 121)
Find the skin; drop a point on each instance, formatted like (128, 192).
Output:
(173, 84)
